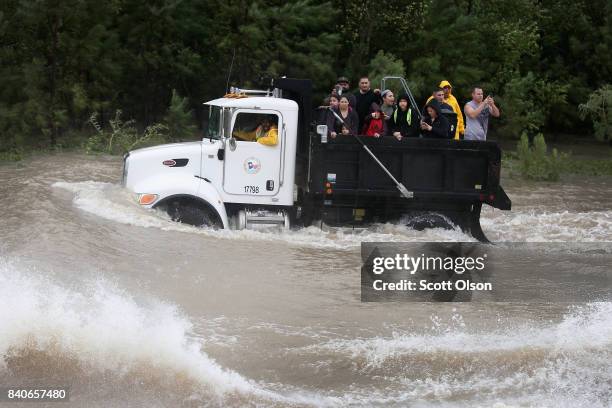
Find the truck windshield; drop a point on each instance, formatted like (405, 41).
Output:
(213, 130)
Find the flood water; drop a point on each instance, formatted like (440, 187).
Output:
(128, 309)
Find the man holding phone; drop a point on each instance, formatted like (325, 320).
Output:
(342, 88)
(477, 112)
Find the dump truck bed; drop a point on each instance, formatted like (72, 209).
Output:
(447, 177)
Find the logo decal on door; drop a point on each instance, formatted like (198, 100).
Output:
(252, 165)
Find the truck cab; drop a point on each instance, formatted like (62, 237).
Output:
(227, 179)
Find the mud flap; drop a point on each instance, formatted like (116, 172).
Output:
(474, 224)
(502, 201)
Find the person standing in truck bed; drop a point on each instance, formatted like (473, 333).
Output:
(450, 99)
(438, 95)
(365, 97)
(434, 125)
(325, 115)
(347, 114)
(404, 121)
(477, 112)
(374, 124)
(388, 103)
(445, 110)
(342, 87)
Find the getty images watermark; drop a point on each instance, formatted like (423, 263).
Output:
(463, 272)
(422, 263)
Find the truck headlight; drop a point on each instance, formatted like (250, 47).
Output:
(147, 199)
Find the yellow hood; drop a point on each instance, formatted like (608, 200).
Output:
(445, 83)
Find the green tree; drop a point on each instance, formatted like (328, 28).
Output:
(441, 53)
(155, 55)
(60, 60)
(367, 27)
(534, 161)
(50, 62)
(599, 108)
(386, 65)
(277, 38)
(179, 119)
(576, 36)
(123, 136)
(528, 101)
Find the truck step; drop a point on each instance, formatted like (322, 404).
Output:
(251, 219)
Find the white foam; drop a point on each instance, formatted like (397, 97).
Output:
(532, 225)
(104, 328)
(586, 327)
(562, 365)
(113, 203)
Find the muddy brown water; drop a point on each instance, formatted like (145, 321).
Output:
(128, 309)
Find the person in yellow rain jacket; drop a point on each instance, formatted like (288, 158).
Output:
(450, 99)
(266, 133)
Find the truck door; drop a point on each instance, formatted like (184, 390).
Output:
(253, 164)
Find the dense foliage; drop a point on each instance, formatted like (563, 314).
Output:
(535, 162)
(599, 108)
(63, 60)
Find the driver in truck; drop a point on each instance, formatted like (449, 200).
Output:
(266, 132)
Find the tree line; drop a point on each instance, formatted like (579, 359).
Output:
(63, 60)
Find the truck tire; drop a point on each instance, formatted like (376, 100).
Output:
(423, 221)
(308, 216)
(198, 216)
(308, 212)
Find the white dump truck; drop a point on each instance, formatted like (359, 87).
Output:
(262, 162)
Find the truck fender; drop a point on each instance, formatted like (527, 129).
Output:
(209, 194)
(173, 186)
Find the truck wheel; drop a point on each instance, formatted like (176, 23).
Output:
(196, 216)
(308, 212)
(307, 216)
(420, 222)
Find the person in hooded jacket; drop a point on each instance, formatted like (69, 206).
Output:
(374, 124)
(404, 121)
(450, 99)
(446, 110)
(434, 125)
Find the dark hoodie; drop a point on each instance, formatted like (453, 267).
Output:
(372, 125)
(404, 122)
(440, 126)
(363, 102)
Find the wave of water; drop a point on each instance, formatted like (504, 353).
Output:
(539, 225)
(105, 335)
(99, 331)
(563, 365)
(113, 203)
(586, 327)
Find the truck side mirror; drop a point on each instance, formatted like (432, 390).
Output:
(232, 143)
(322, 131)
